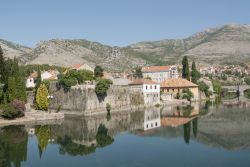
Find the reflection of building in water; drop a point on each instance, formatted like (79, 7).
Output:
(180, 115)
(152, 119)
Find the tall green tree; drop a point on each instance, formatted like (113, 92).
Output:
(138, 72)
(185, 68)
(194, 73)
(11, 91)
(98, 72)
(20, 89)
(42, 101)
(2, 74)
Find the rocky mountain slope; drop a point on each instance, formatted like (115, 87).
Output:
(226, 44)
(12, 50)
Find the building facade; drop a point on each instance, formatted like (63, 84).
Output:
(160, 73)
(31, 80)
(177, 85)
(150, 90)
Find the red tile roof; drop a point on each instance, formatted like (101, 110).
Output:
(76, 66)
(142, 81)
(177, 83)
(156, 68)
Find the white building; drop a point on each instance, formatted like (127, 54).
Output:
(49, 75)
(152, 119)
(31, 80)
(160, 73)
(82, 67)
(149, 88)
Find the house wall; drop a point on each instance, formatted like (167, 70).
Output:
(30, 83)
(152, 118)
(174, 91)
(161, 76)
(85, 67)
(45, 75)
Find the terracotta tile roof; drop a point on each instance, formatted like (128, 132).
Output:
(177, 83)
(156, 68)
(76, 66)
(174, 121)
(33, 75)
(142, 81)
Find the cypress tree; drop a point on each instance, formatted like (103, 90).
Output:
(42, 101)
(185, 68)
(11, 91)
(194, 73)
(2, 74)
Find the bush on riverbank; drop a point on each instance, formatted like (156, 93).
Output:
(102, 86)
(13, 110)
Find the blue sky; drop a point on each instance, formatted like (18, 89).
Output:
(115, 22)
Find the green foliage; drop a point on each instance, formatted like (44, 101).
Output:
(73, 77)
(11, 92)
(108, 107)
(195, 75)
(42, 101)
(247, 93)
(187, 131)
(73, 149)
(185, 68)
(20, 89)
(217, 87)
(43, 134)
(102, 86)
(2, 69)
(102, 137)
(247, 80)
(13, 146)
(137, 72)
(98, 72)
(204, 88)
(187, 94)
(8, 111)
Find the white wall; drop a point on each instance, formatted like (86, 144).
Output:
(30, 83)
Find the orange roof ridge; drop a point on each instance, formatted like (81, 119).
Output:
(177, 82)
(156, 68)
(142, 81)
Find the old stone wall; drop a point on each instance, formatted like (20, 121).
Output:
(85, 100)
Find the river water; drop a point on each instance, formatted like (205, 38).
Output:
(196, 135)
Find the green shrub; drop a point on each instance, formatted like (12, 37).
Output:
(102, 86)
(187, 94)
(108, 107)
(9, 111)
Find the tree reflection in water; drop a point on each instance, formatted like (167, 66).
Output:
(67, 145)
(187, 129)
(43, 134)
(13, 146)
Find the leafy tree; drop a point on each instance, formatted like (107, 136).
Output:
(204, 88)
(102, 86)
(185, 68)
(85, 75)
(194, 73)
(187, 94)
(11, 92)
(20, 89)
(217, 87)
(102, 137)
(8, 111)
(42, 101)
(138, 72)
(98, 72)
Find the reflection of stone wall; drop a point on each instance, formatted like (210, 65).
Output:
(86, 101)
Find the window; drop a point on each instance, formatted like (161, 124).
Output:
(168, 90)
(155, 87)
(152, 125)
(146, 87)
(156, 124)
(147, 125)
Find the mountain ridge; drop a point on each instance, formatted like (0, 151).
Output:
(226, 44)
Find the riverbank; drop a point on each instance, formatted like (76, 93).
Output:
(32, 117)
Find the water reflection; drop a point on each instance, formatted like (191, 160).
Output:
(13, 146)
(226, 127)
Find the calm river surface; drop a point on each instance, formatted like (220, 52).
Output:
(197, 135)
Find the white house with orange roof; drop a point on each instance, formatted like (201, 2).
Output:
(82, 66)
(31, 80)
(49, 75)
(149, 89)
(160, 73)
